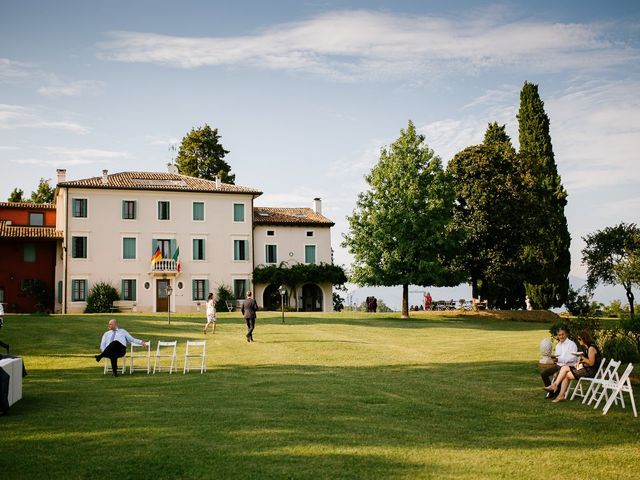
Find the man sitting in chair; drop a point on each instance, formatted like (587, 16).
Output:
(114, 344)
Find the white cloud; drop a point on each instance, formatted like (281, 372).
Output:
(11, 71)
(41, 162)
(16, 116)
(351, 45)
(58, 88)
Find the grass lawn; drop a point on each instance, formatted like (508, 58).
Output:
(324, 396)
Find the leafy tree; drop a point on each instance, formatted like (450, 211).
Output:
(489, 209)
(546, 254)
(101, 298)
(401, 231)
(612, 257)
(17, 195)
(224, 295)
(44, 192)
(201, 155)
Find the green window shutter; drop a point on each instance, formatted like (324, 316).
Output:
(129, 248)
(193, 289)
(124, 209)
(246, 250)
(133, 289)
(122, 289)
(84, 247)
(204, 253)
(194, 248)
(172, 248)
(206, 289)
(198, 210)
(73, 247)
(236, 249)
(310, 254)
(59, 291)
(154, 246)
(135, 207)
(159, 210)
(238, 212)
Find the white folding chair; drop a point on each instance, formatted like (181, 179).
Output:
(617, 389)
(165, 350)
(202, 355)
(610, 374)
(578, 390)
(145, 355)
(122, 368)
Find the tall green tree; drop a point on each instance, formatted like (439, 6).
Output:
(44, 193)
(612, 256)
(401, 231)
(546, 254)
(489, 210)
(202, 155)
(17, 195)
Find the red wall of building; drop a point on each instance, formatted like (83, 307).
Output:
(20, 216)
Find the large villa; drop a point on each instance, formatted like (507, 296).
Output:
(201, 234)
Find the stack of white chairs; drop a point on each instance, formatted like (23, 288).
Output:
(202, 355)
(145, 355)
(613, 390)
(165, 350)
(122, 368)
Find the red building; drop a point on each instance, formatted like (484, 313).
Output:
(28, 242)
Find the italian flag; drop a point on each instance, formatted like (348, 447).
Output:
(176, 258)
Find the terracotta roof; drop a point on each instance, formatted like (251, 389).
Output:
(29, 205)
(289, 216)
(158, 181)
(16, 231)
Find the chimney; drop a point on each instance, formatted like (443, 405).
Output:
(218, 181)
(317, 206)
(62, 175)
(105, 180)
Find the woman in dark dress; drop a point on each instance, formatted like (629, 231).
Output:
(587, 367)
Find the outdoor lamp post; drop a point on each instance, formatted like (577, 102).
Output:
(169, 292)
(282, 291)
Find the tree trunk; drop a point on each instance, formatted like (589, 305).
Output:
(630, 298)
(405, 301)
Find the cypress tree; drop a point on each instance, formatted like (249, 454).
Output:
(546, 254)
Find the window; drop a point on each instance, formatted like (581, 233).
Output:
(128, 289)
(26, 284)
(198, 211)
(36, 219)
(199, 289)
(79, 207)
(309, 254)
(129, 248)
(78, 290)
(60, 291)
(309, 233)
(163, 210)
(238, 212)
(29, 252)
(271, 233)
(240, 288)
(79, 247)
(241, 250)
(271, 254)
(128, 209)
(167, 247)
(198, 249)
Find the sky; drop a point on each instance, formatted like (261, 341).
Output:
(305, 93)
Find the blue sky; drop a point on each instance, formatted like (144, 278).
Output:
(305, 94)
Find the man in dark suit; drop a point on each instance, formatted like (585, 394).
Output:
(249, 309)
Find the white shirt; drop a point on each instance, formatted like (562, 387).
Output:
(117, 335)
(563, 352)
(1, 309)
(211, 308)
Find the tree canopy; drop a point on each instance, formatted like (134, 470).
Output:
(489, 209)
(401, 231)
(612, 256)
(202, 155)
(44, 193)
(17, 195)
(545, 256)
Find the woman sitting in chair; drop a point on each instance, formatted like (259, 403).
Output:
(586, 367)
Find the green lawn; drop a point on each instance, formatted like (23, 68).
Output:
(323, 396)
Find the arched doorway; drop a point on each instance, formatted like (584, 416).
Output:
(311, 298)
(271, 298)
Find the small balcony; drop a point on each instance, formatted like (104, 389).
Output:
(166, 266)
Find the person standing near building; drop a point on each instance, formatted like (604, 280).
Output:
(211, 314)
(2, 344)
(249, 309)
(114, 344)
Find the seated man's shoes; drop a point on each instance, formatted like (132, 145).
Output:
(97, 357)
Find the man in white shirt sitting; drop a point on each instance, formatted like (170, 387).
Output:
(563, 356)
(114, 344)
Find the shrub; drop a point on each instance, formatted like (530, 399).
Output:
(619, 345)
(224, 295)
(616, 309)
(101, 298)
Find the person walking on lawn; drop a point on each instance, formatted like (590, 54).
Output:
(249, 309)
